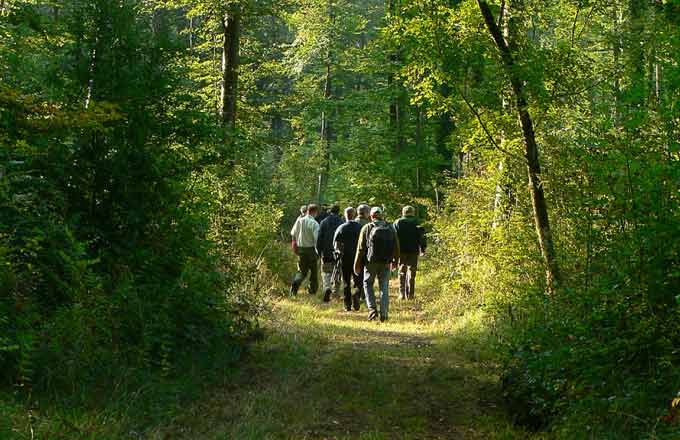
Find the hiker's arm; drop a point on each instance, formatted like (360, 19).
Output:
(293, 235)
(338, 244)
(361, 249)
(316, 233)
(319, 243)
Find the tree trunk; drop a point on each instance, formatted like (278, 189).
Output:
(325, 133)
(636, 53)
(396, 106)
(231, 23)
(191, 32)
(616, 52)
(93, 72)
(540, 208)
(419, 148)
(444, 130)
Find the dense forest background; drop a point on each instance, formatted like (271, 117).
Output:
(153, 155)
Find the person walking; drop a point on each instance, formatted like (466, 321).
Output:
(363, 216)
(303, 212)
(412, 245)
(379, 248)
(322, 214)
(345, 241)
(304, 234)
(325, 249)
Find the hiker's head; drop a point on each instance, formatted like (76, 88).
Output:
(376, 213)
(335, 209)
(350, 213)
(312, 210)
(303, 210)
(408, 211)
(363, 211)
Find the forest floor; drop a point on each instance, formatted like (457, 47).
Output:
(323, 373)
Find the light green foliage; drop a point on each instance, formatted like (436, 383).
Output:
(601, 79)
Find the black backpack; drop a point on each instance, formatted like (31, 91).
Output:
(381, 242)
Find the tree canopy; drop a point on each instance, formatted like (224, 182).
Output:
(154, 154)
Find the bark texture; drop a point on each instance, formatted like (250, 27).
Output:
(540, 207)
(231, 30)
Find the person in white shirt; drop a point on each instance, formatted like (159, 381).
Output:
(304, 235)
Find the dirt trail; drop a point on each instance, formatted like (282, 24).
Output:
(323, 373)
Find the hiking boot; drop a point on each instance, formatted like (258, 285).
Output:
(372, 314)
(383, 318)
(327, 296)
(348, 304)
(356, 301)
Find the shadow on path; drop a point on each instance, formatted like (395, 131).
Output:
(322, 373)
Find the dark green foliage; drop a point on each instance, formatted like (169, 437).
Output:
(110, 257)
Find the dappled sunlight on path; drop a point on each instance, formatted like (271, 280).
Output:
(324, 373)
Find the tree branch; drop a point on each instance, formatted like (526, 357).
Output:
(482, 124)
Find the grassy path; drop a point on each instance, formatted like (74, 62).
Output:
(323, 373)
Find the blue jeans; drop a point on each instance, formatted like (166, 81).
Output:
(382, 271)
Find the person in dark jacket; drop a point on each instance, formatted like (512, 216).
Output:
(346, 240)
(323, 213)
(325, 249)
(412, 242)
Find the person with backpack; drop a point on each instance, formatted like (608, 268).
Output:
(304, 234)
(363, 218)
(322, 214)
(326, 250)
(363, 212)
(379, 248)
(345, 241)
(412, 245)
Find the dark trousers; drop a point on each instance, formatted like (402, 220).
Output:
(348, 277)
(408, 266)
(307, 262)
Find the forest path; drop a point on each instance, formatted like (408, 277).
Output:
(323, 373)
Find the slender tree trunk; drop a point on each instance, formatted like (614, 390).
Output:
(191, 32)
(325, 136)
(396, 106)
(616, 52)
(419, 148)
(325, 133)
(539, 204)
(231, 23)
(637, 52)
(93, 72)
(444, 130)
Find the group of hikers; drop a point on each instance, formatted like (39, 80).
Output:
(358, 248)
